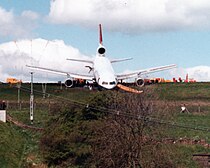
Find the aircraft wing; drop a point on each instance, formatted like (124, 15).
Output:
(120, 60)
(144, 71)
(80, 60)
(68, 74)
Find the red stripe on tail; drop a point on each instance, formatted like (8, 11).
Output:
(100, 35)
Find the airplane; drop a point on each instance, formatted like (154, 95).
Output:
(101, 70)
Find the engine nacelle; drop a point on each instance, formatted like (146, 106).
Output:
(69, 83)
(140, 82)
(101, 50)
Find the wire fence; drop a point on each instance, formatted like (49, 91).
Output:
(53, 98)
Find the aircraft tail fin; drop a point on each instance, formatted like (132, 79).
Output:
(100, 35)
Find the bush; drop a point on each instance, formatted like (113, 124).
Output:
(113, 130)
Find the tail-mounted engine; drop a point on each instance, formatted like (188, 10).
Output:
(101, 50)
(69, 83)
(140, 82)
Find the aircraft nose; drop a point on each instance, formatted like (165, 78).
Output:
(110, 86)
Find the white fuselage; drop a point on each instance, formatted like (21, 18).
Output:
(103, 72)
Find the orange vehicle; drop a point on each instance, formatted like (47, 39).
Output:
(13, 81)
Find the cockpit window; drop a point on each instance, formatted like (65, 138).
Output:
(112, 83)
(104, 83)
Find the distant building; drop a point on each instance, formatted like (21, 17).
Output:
(13, 81)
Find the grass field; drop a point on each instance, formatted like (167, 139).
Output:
(184, 91)
(12, 146)
(19, 147)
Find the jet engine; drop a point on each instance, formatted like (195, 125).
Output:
(140, 82)
(69, 83)
(101, 50)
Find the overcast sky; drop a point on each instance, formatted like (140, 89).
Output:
(153, 32)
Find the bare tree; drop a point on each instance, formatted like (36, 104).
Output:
(127, 137)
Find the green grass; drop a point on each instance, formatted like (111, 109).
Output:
(193, 121)
(10, 93)
(18, 144)
(185, 153)
(40, 117)
(13, 146)
(31, 153)
(184, 91)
